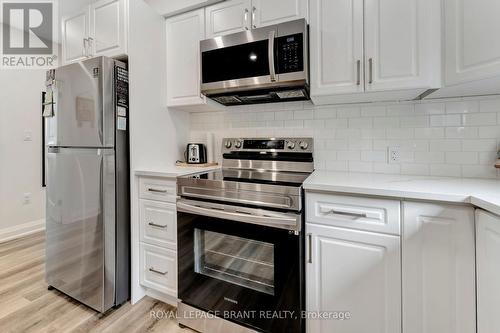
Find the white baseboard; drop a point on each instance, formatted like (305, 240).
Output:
(24, 229)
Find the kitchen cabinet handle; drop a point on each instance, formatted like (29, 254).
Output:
(91, 46)
(341, 212)
(85, 51)
(254, 9)
(154, 190)
(309, 248)
(358, 69)
(157, 272)
(157, 225)
(370, 66)
(272, 72)
(245, 16)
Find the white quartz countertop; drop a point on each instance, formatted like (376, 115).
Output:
(173, 172)
(482, 193)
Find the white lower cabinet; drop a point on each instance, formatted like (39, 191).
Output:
(438, 269)
(159, 269)
(158, 237)
(488, 271)
(357, 272)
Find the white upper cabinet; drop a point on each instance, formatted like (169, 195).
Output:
(75, 30)
(336, 43)
(269, 12)
(108, 27)
(239, 15)
(472, 41)
(398, 49)
(373, 50)
(98, 29)
(488, 271)
(228, 17)
(438, 269)
(355, 271)
(184, 33)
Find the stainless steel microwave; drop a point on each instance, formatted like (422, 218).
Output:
(263, 65)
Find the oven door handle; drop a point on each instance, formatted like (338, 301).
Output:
(246, 215)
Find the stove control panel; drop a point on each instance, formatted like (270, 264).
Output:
(298, 145)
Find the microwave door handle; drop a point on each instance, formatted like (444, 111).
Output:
(272, 72)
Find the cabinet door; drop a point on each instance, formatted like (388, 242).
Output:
(488, 271)
(184, 33)
(472, 43)
(269, 12)
(228, 17)
(401, 43)
(336, 46)
(438, 269)
(75, 30)
(108, 22)
(355, 271)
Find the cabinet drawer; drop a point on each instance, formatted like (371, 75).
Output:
(158, 223)
(157, 189)
(376, 215)
(159, 269)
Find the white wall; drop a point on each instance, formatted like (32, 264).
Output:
(157, 135)
(454, 137)
(20, 161)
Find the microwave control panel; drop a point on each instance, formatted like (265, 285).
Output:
(290, 53)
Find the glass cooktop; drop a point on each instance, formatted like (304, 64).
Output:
(251, 176)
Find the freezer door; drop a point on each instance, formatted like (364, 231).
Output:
(80, 222)
(84, 105)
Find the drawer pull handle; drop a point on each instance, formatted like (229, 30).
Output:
(157, 225)
(339, 212)
(156, 190)
(157, 272)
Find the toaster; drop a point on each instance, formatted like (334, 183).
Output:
(196, 153)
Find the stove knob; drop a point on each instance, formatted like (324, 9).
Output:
(303, 145)
(237, 144)
(227, 144)
(291, 145)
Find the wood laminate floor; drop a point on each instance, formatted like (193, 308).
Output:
(27, 306)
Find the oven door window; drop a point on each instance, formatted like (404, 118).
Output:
(236, 62)
(244, 262)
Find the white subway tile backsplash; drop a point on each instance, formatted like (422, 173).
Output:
(445, 145)
(386, 122)
(462, 132)
(430, 108)
(453, 137)
(490, 105)
(479, 145)
(415, 169)
(429, 133)
(462, 158)
(446, 120)
(415, 121)
(446, 170)
(480, 119)
(348, 112)
(462, 107)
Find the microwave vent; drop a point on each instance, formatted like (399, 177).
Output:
(291, 94)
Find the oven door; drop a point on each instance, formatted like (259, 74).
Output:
(240, 270)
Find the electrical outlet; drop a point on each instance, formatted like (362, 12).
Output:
(28, 136)
(394, 154)
(27, 198)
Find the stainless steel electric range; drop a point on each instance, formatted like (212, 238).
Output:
(241, 241)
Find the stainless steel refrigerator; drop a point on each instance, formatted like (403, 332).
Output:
(87, 213)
